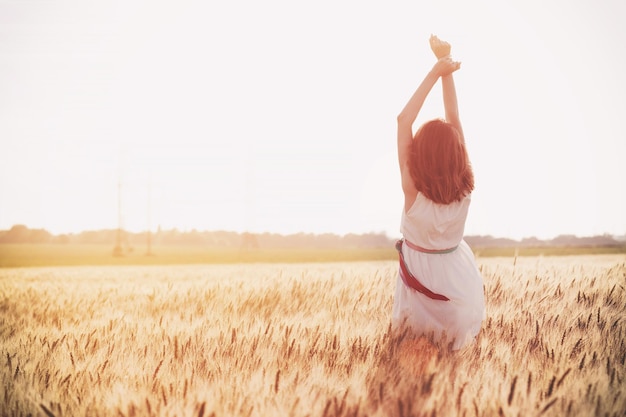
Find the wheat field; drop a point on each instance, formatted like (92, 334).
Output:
(307, 340)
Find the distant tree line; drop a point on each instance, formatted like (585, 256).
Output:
(22, 234)
(533, 242)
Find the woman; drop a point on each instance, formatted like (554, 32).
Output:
(439, 290)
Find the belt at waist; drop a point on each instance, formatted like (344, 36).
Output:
(424, 250)
(411, 281)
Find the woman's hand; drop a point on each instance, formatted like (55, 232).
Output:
(445, 66)
(439, 47)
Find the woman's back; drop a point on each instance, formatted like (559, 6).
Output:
(435, 226)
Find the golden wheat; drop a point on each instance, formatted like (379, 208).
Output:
(306, 339)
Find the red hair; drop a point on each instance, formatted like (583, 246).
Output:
(439, 165)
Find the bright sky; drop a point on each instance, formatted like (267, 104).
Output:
(279, 115)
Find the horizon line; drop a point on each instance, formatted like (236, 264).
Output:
(386, 234)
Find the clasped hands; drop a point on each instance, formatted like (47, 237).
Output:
(445, 64)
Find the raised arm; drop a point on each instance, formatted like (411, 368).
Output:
(443, 67)
(442, 49)
(407, 116)
(450, 103)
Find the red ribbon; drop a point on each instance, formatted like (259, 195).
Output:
(410, 280)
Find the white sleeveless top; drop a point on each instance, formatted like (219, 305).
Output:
(435, 226)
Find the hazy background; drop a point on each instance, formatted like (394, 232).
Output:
(280, 115)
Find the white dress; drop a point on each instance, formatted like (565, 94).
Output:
(440, 226)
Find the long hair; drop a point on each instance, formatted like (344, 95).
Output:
(439, 164)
